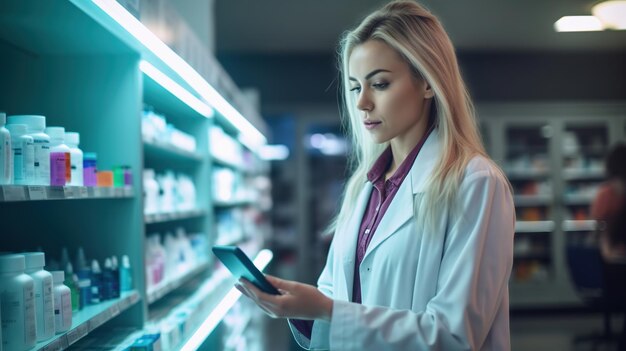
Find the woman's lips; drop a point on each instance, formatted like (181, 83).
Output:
(371, 124)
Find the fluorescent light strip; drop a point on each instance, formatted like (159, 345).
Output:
(215, 317)
(181, 93)
(578, 24)
(181, 67)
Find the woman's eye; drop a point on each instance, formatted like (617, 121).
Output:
(380, 86)
(356, 89)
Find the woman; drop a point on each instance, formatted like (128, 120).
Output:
(423, 243)
(609, 207)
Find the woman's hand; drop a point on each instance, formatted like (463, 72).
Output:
(297, 300)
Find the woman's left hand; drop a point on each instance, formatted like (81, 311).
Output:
(297, 300)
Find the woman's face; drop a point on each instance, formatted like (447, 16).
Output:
(394, 103)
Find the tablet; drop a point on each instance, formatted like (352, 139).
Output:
(242, 267)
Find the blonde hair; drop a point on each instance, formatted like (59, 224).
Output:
(420, 39)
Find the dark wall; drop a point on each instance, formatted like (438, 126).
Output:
(494, 77)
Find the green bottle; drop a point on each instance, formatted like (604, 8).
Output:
(71, 281)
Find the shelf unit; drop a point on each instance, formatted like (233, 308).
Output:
(82, 68)
(553, 155)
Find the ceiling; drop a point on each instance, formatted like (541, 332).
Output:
(314, 26)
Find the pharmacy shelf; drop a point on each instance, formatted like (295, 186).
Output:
(579, 226)
(532, 200)
(539, 256)
(575, 200)
(534, 226)
(166, 151)
(527, 174)
(164, 289)
(232, 241)
(583, 174)
(10, 193)
(232, 203)
(222, 161)
(217, 295)
(173, 216)
(89, 319)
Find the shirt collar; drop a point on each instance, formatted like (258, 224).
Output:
(382, 164)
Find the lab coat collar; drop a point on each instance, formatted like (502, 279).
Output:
(401, 208)
(399, 212)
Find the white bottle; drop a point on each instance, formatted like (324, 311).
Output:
(6, 154)
(60, 157)
(72, 140)
(23, 154)
(126, 275)
(62, 303)
(41, 140)
(151, 192)
(44, 299)
(18, 304)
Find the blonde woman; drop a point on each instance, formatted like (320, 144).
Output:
(423, 244)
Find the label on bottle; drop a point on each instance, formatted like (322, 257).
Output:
(48, 306)
(58, 172)
(6, 174)
(18, 164)
(68, 168)
(30, 330)
(28, 155)
(11, 313)
(66, 300)
(42, 161)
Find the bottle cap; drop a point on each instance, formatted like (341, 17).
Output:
(58, 276)
(72, 138)
(56, 133)
(34, 122)
(12, 263)
(34, 259)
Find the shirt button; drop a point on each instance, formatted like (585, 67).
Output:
(377, 208)
(367, 231)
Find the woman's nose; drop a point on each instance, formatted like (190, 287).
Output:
(364, 103)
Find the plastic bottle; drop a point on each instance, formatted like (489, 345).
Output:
(115, 270)
(6, 154)
(72, 140)
(151, 192)
(18, 304)
(60, 157)
(89, 169)
(71, 281)
(96, 282)
(41, 140)
(84, 278)
(23, 154)
(62, 303)
(44, 299)
(107, 280)
(126, 275)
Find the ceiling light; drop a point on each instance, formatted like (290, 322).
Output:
(611, 13)
(578, 24)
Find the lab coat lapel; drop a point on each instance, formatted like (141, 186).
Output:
(401, 208)
(350, 236)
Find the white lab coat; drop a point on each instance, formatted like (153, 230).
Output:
(445, 290)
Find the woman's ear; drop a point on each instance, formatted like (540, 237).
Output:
(429, 93)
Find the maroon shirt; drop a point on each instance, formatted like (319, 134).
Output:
(381, 196)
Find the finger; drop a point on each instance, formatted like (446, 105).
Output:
(258, 293)
(279, 283)
(242, 290)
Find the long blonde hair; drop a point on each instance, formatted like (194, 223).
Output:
(421, 40)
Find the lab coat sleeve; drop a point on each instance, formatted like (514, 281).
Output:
(321, 329)
(472, 282)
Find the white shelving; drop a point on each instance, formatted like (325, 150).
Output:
(532, 200)
(578, 226)
(88, 319)
(169, 286)
(11, 193)
(167, 150)
(173, 216)
(534, 226)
